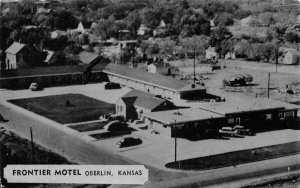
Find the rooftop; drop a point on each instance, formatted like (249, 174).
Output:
(146, 77)
(15, 48)
(182, 115)
(142, 99)
(249, 105)
(87, 57)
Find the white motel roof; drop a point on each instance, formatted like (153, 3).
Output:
(246, 105)
(183, 115)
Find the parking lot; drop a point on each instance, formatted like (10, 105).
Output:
(156, 149)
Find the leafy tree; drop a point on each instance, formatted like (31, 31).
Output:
(195, 44)
(224, 19)
(193, 23)
(292, 37)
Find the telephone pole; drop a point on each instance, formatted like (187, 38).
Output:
(269, 85)
(32, 146)
(194, 65)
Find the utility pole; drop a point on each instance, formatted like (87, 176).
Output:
(194, 65)
(269, 85)
(32, 146)
(276, 54)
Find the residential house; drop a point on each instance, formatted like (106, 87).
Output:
(210, 53)
(18, 55)
(83, 27)
(143, 29)
(49, 57)
(87, 57)
(230, 55)
(133, 104)
(57, 34)
(245, 22)
(291, 57)
(151, 68)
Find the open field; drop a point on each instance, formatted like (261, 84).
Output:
(80, 109)
(287, 76)
(237, 157)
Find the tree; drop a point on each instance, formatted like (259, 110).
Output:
(291, 37)
(224, 19)
(193, 23)
(196, 44)
(167, 47)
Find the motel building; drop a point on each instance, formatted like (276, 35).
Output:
(156, 84)
(256, 114)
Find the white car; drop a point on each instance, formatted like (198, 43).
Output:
(35, 86)
(229, 131)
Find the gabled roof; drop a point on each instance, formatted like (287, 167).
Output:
(211, 49)
(145, 77)
(142, 99)
(87, 57)
(50, 54)
(294, 52)
(15, 48)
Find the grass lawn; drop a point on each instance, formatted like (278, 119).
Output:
(237, 157)
(80, 109)
(89, 126)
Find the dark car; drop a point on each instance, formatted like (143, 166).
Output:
(129, 141)
(242, 130)
(112, 85)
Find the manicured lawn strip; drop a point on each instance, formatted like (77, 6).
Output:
(89, 126)
(108, 135)
(54, 107)
(237, 157)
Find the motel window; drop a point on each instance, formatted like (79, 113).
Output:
(268, 116)
(289, 114)
(230, 121)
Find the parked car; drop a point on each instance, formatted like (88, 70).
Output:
(35, 86)
(242, 130)
(229, 131)
(112, 85)
(154, 132)
(110, 117)
(129, 141)
(116, 125)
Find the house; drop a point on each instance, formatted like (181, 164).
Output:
(18, 55)
(43, 10)
(151, 68)
(162, 24)
(49, 57)
(57, 34)
(245, 22)
(83, 27)
(155, 84)
(87, 57)
(291, 57)
(133, 104)
(143, 29)
(230, 55)
(210, 53)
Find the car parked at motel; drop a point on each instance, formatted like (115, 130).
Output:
(35, 86)
(242, 130)
(229, 131)
(129, 141)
